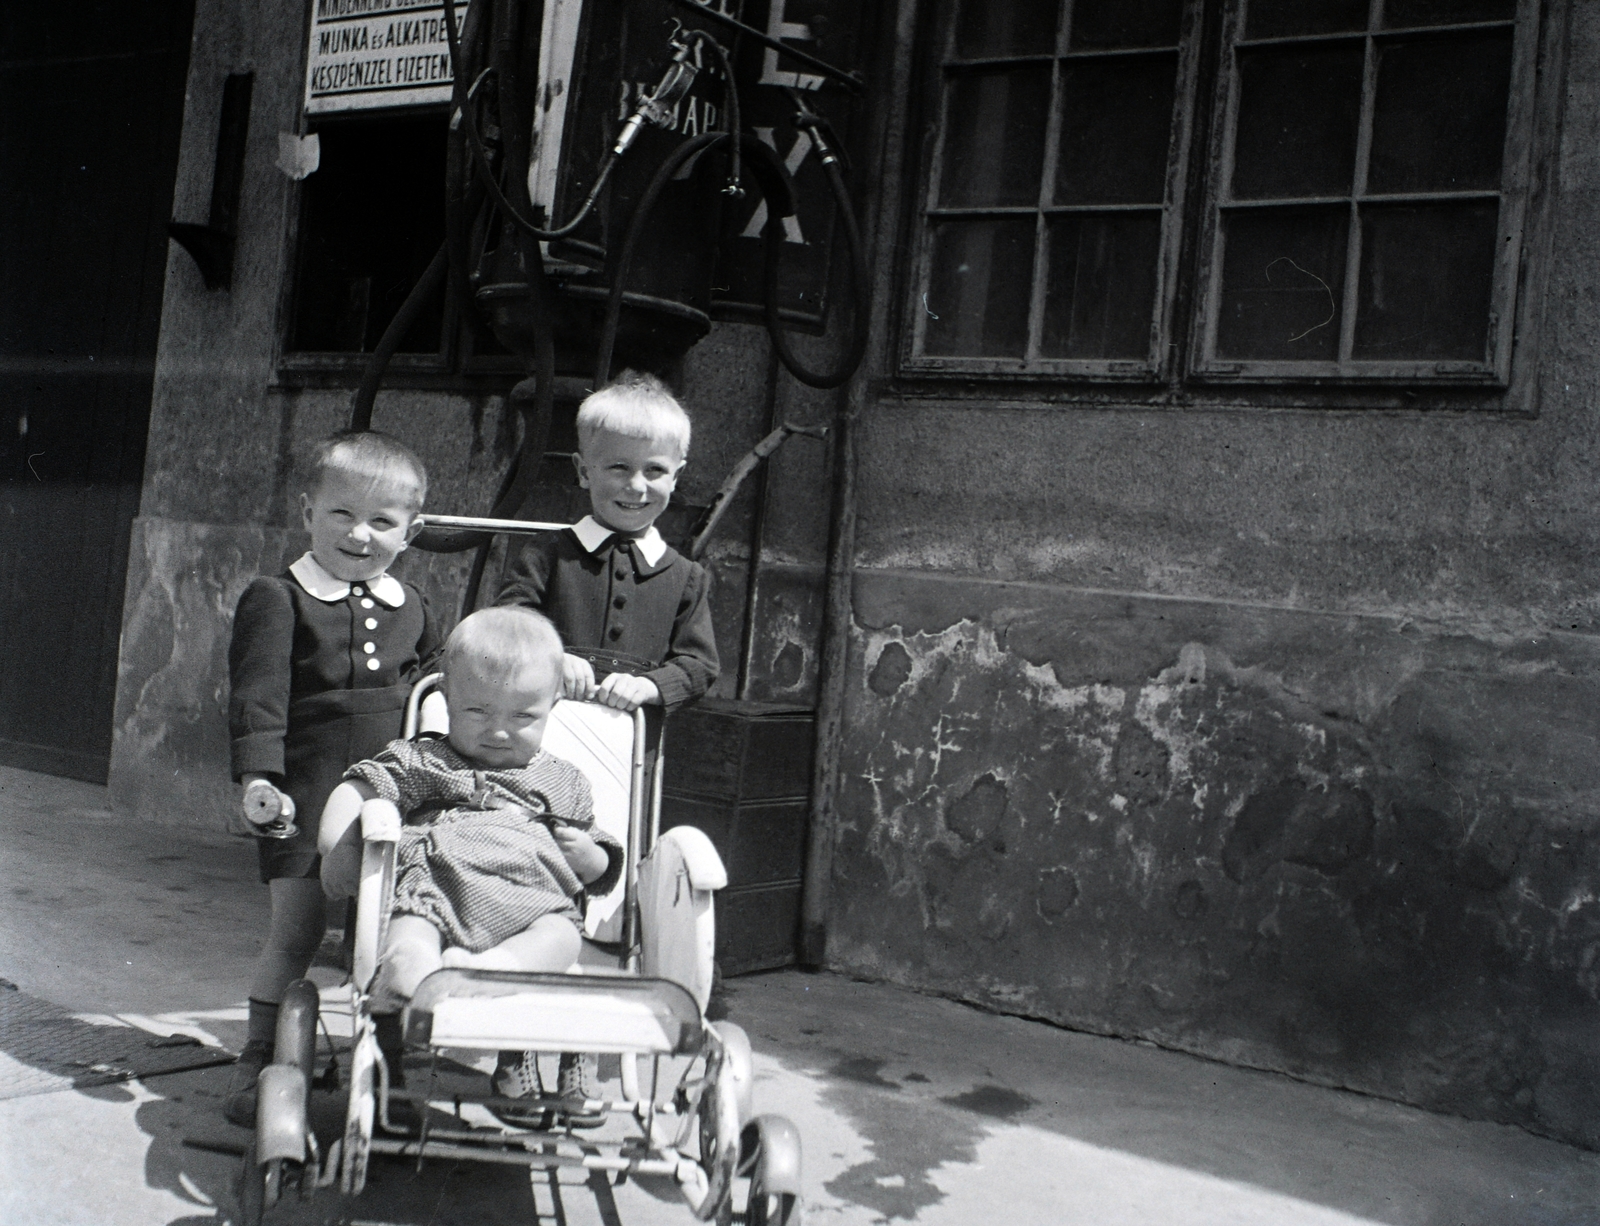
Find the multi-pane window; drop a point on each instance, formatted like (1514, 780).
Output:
(368, 222)
(1048, 216)
(1354, 172)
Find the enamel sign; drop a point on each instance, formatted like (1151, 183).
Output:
(365, 54)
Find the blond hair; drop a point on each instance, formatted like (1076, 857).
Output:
(635, 405)
(381, 459)
(500, 641)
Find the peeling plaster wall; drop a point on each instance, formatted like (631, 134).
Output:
(1269, 734)
(1339, 846)
(1264, 734)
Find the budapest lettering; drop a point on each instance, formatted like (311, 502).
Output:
(690, 116)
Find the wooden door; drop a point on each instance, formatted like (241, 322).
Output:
(92, 95)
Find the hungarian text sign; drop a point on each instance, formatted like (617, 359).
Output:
(372, 53)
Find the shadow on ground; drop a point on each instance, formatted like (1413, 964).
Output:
(194, 1154)
(926, 1084)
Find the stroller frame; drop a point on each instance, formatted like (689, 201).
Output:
(704, 1137)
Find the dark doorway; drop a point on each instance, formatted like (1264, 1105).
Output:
(93, 99)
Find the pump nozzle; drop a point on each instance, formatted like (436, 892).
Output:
(829, 148)
(658, 105)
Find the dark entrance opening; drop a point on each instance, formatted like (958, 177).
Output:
(93, 99)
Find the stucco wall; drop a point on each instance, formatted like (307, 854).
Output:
(1349, 847)
(1268, 734)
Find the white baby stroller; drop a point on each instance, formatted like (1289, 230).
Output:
(639, 993)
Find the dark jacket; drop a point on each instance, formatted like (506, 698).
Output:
(305, 701)
(615, 601)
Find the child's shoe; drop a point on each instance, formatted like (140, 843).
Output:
(516, 1075)
(239, 1106)
(575, 1085)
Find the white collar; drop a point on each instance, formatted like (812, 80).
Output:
(592, 534)
(313, 576)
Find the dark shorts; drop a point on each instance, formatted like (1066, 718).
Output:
(328, 733)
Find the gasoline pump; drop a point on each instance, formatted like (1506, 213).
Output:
(613, 166)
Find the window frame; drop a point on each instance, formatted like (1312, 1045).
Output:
(1179, 370)
(1179, 138)
(455, 366)
(1511, 197)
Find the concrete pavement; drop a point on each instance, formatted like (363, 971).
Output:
(911, 1108)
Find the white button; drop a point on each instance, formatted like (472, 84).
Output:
(373, 665)
(358, 590)
(366, 604)
(372, 623)
(369, 648)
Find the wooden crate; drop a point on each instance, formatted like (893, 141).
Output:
(741, 772)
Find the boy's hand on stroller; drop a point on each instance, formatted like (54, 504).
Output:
(586, 857)
(577, 678)
(627, 692)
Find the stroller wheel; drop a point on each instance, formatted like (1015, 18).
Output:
(360, 1108)
(719, 1144)
(772, 1156)
(738, 1065)
(770, 1208)
(296, 1038)
(260, 1185)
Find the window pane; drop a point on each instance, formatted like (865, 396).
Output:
(1402, 13)
(994, 139)
(1116, 124)
(1018, 27)
(979, 288)
(371, 218)
(1298, 112)
(1440, 121)
(1102, 289)
(1427, 273)
(1279, 18)
(1124, 23)
(1282, 283)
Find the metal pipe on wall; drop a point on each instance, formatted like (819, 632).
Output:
(758, 532)
(882, 208)
(834, 664)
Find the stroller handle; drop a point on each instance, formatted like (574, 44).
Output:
(413, 715)
(521, 527)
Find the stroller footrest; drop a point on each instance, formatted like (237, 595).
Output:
(503, 1010)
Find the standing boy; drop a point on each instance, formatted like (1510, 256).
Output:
(634, 613)
(321, 662)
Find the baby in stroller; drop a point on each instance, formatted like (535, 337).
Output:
(467, 927)
(499, 844)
